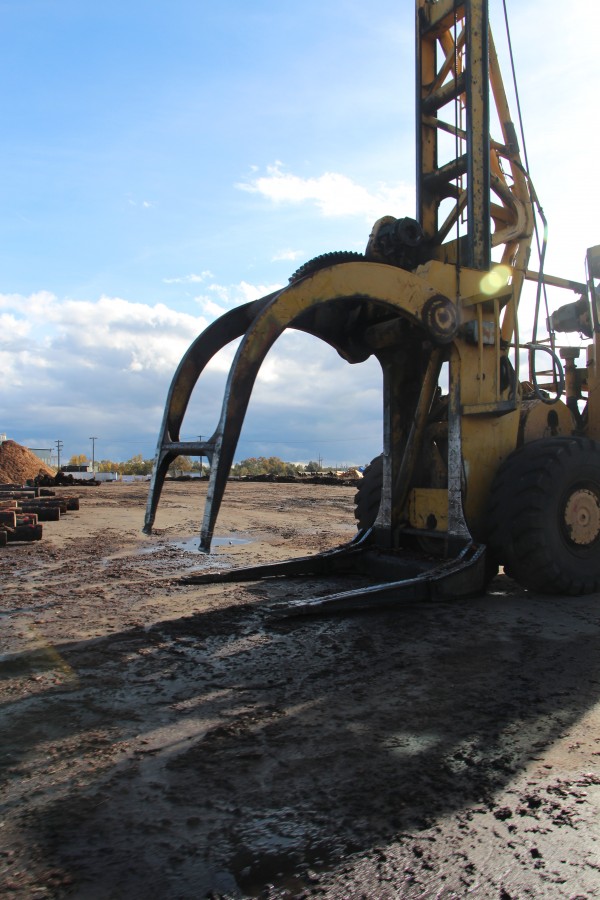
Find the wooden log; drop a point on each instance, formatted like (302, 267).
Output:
(3, 538)
(17, 495)
(8, 517)
(8, 504)
(44, 513)
(26, 518)
(24, 533)
(46, 503)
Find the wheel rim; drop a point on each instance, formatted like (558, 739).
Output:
(582, 517)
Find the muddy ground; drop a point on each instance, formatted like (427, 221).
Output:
(161, 740)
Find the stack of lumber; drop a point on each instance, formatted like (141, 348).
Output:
(22, 509)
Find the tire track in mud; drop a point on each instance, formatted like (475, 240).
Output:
(276, 752)
(209, 749)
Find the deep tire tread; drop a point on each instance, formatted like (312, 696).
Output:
(368, 496)
(524, 533)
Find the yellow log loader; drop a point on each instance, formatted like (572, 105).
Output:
(481, 465)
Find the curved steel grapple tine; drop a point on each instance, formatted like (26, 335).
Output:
(277, 314)
(218, 334)
(225, 329)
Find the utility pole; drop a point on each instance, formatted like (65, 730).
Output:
(59, 446)
(93, 440)
(200, 438)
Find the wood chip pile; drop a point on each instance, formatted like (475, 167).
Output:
(18, 464)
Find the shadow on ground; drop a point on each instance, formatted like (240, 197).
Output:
(225, 752)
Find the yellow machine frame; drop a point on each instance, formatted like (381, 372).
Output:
(437, 293)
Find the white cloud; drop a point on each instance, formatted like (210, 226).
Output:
(307, 402)
(111, 335)
(144, 204)
(190, 279)
(12, 328)
(220, 298)
(283, 255)
(80, 367)
(333, 193)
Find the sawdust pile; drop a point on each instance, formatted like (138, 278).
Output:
(17, 464)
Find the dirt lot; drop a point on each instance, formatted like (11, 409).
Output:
(162, 740)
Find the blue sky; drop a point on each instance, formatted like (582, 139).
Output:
(162, 162)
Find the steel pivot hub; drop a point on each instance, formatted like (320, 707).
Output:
(582, 517)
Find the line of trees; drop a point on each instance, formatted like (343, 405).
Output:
(137, 465)
(261, 465)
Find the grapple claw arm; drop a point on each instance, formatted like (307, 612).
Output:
(353, 282)
(221, 332)
(359, 286)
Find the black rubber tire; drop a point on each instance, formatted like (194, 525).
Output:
(368, 496)
(535, 530)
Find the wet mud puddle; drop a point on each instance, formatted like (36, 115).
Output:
(175, 546)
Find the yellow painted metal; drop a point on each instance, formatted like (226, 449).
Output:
(480, 294)
(472, 286)
(457, 313)
(488, 430)
(593, 388)
(479, 379)
(486, 442)
(541, 420)
(398, 288)
(453, 44)
(428, 509)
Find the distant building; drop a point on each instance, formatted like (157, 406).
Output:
(85, 468)
(45, 454)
